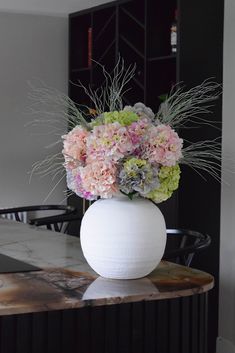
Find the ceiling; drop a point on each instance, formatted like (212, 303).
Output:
(48, 7)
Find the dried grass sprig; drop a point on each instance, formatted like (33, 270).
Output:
(108, 97)
(204, 156)
(182, 108)
(115, 84)
(51, 165)
(48, 102)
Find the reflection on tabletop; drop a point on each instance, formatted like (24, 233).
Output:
(105, 288)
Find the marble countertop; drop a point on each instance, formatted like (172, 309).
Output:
(41, 247)
(67, 281)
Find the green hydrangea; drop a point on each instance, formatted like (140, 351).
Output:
(99, 120)
(169, 182)
(123, 117)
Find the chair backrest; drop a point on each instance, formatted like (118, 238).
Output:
(30, 214)
(182, 244)
(59, 223)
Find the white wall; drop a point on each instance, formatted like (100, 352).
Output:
(226, 344)
(30, 46)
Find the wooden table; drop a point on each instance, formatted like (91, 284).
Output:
(66, 307)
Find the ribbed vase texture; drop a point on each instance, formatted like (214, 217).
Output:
(123, 238)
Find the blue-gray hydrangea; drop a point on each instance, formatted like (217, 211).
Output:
(138, 178)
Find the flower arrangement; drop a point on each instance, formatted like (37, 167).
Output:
(129, 149)
(123, 151)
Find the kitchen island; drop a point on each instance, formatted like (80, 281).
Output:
(65, 307)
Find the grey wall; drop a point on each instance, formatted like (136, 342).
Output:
(226, 344)
(48, 6)
(30, 46)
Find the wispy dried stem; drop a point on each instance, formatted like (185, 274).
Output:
(54, 107)
(204, 156)
(182, 108)
(108, 97)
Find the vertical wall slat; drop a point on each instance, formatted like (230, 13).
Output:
(23, 333)
(162, 328)
(174, 325)
(194, 323)
(97, 329)
(185, 328)
(39, 333)
(8, 334)
(83, 331)
(68, 331)
(111, 329)
(150, 327)
(124, 328)
(137, 327)
(54, 331)
(201, 323)
(206, 322)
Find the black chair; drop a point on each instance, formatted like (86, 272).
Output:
(60, 223)
(30, 214)
(182, 244)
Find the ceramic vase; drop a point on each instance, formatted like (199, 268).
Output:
(123, 238)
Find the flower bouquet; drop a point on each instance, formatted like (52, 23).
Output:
(124, 151)
(114, 149)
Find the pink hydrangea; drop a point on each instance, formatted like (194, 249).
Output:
(110, 141)
(163, 146)
(137, 131)
(80, 191)
(75, 147)
(99, 178)
(74, 183)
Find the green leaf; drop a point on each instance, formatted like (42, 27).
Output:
(130, 195)
(162, 97)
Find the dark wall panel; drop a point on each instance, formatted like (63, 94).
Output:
(201, 57)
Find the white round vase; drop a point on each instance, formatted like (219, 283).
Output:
(123, 238)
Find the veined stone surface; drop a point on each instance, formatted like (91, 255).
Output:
(66, 281)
